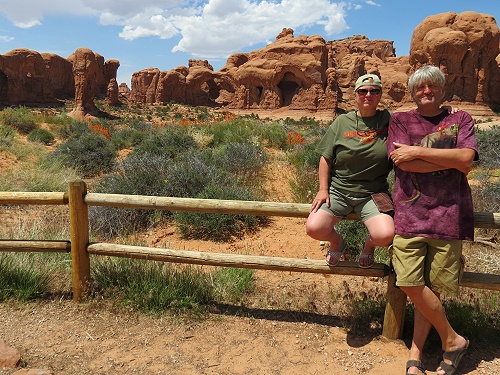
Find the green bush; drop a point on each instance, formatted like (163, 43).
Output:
(487, 192)
(169, 141)
(239, 130)
(274, 135)
(7, 135)
(217, 227)
(143, 174)
(21, 119)
(241, 158)
(73, 129)
(41, 136)
(127, 137)
(89, 153)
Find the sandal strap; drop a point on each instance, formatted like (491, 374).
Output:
(415, 363)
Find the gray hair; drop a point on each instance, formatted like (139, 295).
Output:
(429, 74)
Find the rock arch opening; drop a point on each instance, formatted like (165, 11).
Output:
(288, 86)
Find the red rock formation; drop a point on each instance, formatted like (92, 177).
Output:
(310, 73)
(30, 78)
(60, 75)
(112, 94)
(92, 77)
(466, 47)
(23, 78)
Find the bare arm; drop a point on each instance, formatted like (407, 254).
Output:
(324, 184)
(425, 159)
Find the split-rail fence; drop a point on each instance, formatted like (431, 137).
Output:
(78, 200)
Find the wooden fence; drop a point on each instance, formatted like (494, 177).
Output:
(79, 200)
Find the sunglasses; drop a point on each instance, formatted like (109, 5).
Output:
(371, 91)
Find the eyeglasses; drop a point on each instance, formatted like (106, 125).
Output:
(371, 91)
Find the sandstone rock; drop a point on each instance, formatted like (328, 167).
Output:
(466, 47)
(92, 77)
(9, 357)
(23, 78)
(307, 72)
(112, 93)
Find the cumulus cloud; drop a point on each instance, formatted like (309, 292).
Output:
(209, 28)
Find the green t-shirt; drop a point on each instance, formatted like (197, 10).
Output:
(357, 148)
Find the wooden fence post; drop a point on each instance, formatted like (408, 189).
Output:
(394, 316)
(79, 227)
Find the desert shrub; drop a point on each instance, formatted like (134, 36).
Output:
(127, 137)
(217, 227)
(241, 158)
(239, 130)
(41, 136)
(73, 129)
(7, 135)
(487, 192)
(274, 135)
(305, 183)
(143, 174)
(170, 142)
(89, 153)
(153, 175)
(355, 234)
(192, 172)
(21, 119)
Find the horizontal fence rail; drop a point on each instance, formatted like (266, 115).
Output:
(80, 248)
(236, 260)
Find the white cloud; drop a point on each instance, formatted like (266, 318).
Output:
(209, 28)
(29, 13)
(6, 38)
(370, 2)
(223, 27)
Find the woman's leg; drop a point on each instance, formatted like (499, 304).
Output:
(320, 225)
(381, 233)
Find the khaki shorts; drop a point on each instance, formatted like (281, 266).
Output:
(417, 261)
(342, 204)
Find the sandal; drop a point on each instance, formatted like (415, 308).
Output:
(417, 364)
(455, 357)
(371, 260)
(335, 255)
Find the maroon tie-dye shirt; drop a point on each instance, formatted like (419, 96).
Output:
(436, 204)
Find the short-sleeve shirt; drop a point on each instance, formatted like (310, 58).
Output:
(435, 204)
(357, 148)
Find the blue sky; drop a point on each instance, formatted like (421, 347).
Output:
(165, 34)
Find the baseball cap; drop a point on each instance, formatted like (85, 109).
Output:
(368, 80)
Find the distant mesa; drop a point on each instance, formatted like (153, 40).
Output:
(303, 72)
